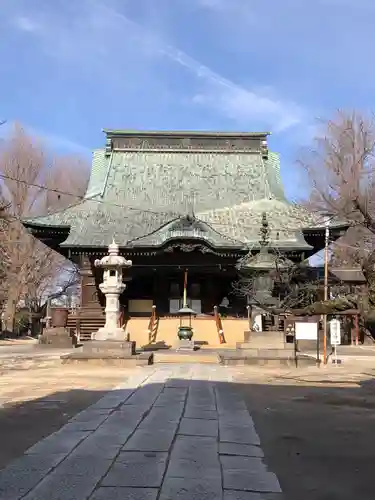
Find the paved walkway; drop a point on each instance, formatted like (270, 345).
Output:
(177, 432)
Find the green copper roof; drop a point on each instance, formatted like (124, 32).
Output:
(189, 227)
(99, 170)
(243, 221)
(133, 195)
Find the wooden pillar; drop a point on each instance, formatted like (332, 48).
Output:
(161, 292)
(209, 293)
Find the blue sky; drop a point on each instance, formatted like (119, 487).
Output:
(70, 68)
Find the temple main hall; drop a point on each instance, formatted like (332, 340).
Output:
(179, 204)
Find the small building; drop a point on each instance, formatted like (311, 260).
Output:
(177, 201)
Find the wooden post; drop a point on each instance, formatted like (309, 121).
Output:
(356, 329)
(351, 322)
(249, 316)
(185, 289)
(325, 292)
(78, 325)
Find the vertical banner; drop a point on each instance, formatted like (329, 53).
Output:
(184, 304)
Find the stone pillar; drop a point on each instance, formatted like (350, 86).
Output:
(112, 287)
(112, 309)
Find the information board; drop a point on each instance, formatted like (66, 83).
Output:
(306, 331)
(335, 331)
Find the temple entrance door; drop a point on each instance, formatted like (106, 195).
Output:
(176, 304)
(193, 299)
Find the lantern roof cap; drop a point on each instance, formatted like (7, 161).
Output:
(186, 311)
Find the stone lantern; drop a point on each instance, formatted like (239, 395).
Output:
(263, 268)
(112, 287)
(108, 344)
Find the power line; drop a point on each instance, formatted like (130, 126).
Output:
(140, 210)
(80, 197)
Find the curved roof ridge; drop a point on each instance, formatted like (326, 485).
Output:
(224, 236)
(245, 204)
(156, 230)
(99, 167)
(169, 229)
(273, 165)
(267, 187)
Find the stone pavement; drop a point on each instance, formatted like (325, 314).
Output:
(170, 432)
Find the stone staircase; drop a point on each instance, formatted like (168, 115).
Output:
(181, 357)
(90, 320)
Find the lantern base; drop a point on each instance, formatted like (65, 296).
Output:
(110, 347)
(185, 345)
(117, 334)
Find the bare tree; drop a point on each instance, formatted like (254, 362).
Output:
(340, 174)
(33, 182)
(293, 286)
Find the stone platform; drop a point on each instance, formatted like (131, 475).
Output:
(166, 433)
(233, 358)
(109, 347)
(265, 349)
(58, 337)
(262, 340)
(109, 352)
(141, 359)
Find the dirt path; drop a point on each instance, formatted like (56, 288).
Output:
(36, 402)
(317, 430)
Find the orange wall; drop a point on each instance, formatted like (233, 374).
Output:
(204, 331)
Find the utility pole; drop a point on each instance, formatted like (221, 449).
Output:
(326, 243)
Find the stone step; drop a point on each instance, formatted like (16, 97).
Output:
(185, 357)
(263, 345)
(287, 350)
(285, 361)
(267, 352)
(84, 358)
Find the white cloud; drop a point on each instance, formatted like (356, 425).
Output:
(26, 24)
(242, 7)
(228, 98)
(56, 141)
(248, 108)
(88, 38)
(49, 139)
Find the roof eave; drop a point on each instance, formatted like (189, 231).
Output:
(337, 226)
(52, 236)
(181, 133)
(38, 225)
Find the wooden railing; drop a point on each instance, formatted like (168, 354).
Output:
(153, 325)
(219, 326)
(78, 326)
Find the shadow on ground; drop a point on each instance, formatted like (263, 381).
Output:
(25, 423)
(318, 438)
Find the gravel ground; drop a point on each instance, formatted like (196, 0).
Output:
(316, 429)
